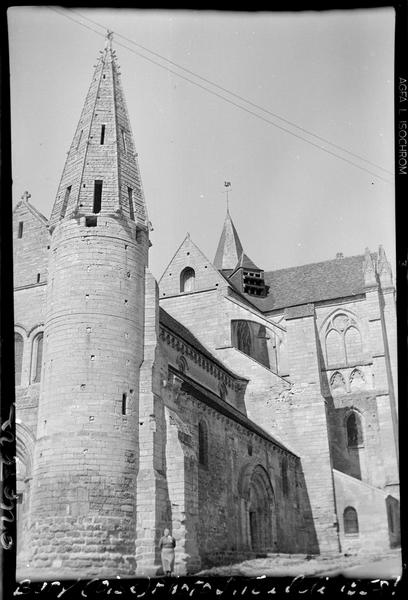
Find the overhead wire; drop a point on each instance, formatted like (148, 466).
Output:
(239, 97)
(226, 99)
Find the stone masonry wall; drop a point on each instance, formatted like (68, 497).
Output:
(188, 255)
(210, 373)
(364, 462)
(301, 414)
(30, 276)
(152, 487)
(376, 462)
(30, 253)
(212, 501)
(83, 517)
(373, 531)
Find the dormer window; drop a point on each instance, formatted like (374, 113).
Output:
(253, 283)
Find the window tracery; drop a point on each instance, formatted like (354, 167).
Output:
(337, 383)
(343, 340)
(357, 380)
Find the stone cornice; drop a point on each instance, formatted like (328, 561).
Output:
(216, 370)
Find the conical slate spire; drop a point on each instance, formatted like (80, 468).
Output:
(229, 249)
(246, 263)
(101, 174)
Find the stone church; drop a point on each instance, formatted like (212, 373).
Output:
(249, 411)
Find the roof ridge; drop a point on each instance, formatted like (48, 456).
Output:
(34, 211)
(319, 262)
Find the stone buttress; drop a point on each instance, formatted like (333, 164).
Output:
(83, 512)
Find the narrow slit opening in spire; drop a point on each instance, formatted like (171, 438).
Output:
(124, 139)
(102, 135)
(65, 203)
(97, 203)
(79, 139)
(131, 209)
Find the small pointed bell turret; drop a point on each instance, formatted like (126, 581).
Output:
(229, 248)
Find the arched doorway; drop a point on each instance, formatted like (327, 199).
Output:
(258, 525)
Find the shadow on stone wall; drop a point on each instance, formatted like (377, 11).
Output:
(307, 541)
(394, 524)
(344, 459)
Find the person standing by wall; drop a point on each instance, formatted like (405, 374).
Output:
(167, 544)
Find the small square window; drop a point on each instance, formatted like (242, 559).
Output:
(91, 221)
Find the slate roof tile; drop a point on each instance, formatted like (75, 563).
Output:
(315, 282)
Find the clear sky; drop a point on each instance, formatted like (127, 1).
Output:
(292, 203)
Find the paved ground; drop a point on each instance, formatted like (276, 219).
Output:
(387, 566)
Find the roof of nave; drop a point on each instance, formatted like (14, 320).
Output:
(230, 411)
(315, 282)
(176, 327)
(327, 280)
(214, 401)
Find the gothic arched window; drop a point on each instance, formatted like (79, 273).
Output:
(350, 520)
(334, 348)
(203, 443)
(37, 357)
(354, 430)
(187, 280)
(343, 341)
(352, 339)
(18, 356)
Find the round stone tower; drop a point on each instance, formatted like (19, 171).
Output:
(83, 507)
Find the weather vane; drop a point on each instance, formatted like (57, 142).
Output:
(227, 185)
(108, 37)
